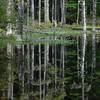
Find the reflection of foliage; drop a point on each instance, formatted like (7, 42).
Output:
(3, 69)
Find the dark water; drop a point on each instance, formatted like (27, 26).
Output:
(50, 71)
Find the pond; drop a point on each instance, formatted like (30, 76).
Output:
(51, 70)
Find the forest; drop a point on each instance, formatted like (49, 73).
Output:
(49, 49)
(35, 14)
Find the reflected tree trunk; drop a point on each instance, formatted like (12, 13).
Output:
(10, 72)
(83, 63)
(40, 71)
(45, 65)
(23, 53)
(78, 57)
(21, 68)
(93, 51)
(63, 65)
(32, 69)
(55, 69)
(52, 52)
(28, 69)
(61, 61)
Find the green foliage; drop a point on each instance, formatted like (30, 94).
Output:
(3, 5)
(71, 6)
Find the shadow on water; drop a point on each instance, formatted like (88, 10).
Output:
(51, 70)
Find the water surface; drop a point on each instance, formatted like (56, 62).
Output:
(50, 70)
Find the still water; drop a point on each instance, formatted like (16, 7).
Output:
(51, 71)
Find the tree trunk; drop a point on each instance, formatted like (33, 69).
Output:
(78, 11)
(63, 12)
(84, 16)
(46, 10)
(9, 14)
(20, 16)
(52, 11)
(32, 11)
(94, 15)
(27, 12)
(55, 17)
(39, 12)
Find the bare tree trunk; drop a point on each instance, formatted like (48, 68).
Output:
(55, 17)
(10, 72)
(32, 11)
(27, 12)
(9, 14)
(46, 10)
(84, 16)
(52, 11)
(39, 12)
(20, 16)
(78, 11)
(94, 15)
(63, 12)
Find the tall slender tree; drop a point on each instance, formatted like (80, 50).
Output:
(94, 15)
(84, 15)
(32, 10)
(46, 10)
(55, 14)
(52, 11)
(27, 12)
(63, 12)
(78, 11)
(9, 14)
(39, 12)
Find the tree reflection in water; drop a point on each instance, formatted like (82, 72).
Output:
(51, 71)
